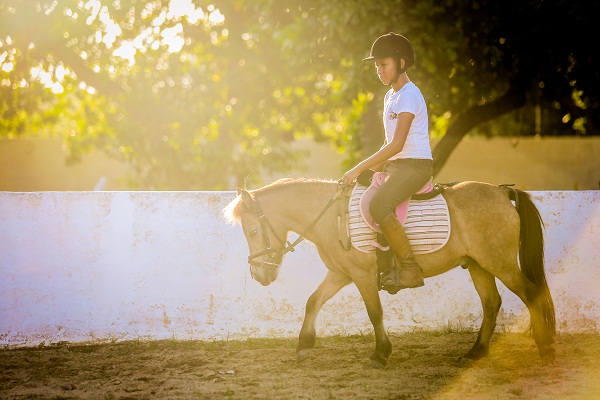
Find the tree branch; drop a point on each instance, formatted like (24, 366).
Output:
(513, 99)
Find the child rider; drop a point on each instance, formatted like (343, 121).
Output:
(405, 155)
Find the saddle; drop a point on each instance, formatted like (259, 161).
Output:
(424, 216)
(379, 179)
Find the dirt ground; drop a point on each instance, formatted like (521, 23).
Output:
(422, 366)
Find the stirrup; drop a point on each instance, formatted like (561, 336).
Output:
(389, 280)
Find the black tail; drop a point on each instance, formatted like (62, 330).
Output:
(531, 254)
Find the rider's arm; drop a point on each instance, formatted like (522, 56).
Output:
(389, 150)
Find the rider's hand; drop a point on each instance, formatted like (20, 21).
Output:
(349, 178)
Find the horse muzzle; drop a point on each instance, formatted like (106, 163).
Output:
(265, 272)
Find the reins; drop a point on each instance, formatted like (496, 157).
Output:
(342, 217)
(287, 246)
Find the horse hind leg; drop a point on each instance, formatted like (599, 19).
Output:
(332, 284)
(533, 298)
(485, 284)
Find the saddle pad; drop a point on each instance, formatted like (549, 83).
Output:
(427, 224)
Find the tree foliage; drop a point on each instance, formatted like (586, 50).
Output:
(207, 95)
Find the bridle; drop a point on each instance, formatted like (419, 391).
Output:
(286, 246)
(273, 253)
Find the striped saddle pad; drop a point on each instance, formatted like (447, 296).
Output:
(427, 224)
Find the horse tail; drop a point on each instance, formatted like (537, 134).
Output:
(531, 254)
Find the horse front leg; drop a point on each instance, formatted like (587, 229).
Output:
(366, 282)
(332, 284)
(485, 284)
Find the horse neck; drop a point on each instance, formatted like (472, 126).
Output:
(296, 205)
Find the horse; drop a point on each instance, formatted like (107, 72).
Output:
(496, 232)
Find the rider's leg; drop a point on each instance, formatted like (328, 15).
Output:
(409, 274)
(405, 177)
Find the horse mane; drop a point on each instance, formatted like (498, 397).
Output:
(232, 212)
(286, 181)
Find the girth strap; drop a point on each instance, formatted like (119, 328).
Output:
(343, 218)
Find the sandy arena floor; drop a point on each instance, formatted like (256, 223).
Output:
(422, 366)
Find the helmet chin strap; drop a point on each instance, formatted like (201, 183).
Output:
(398, 72)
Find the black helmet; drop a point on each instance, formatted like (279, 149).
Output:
(395, 46)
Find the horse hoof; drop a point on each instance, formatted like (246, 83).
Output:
(303, 354)
(377, 365)
(475, 354)
(548, 355)
(378, 362)
(464, 361)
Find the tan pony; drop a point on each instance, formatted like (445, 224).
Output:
(491, 237)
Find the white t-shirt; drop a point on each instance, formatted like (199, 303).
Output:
(408, 99)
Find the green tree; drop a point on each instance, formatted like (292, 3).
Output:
(496, 68)
(167, 89)
(197, 95)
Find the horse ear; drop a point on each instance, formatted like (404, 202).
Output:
(246, 197)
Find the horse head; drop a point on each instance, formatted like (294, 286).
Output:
(265, 242)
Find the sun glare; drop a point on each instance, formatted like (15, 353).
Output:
(155, 36)
(51, 79)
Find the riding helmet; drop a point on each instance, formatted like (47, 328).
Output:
(395, 46)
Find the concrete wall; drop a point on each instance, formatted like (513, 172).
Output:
(560, 163)
(108, 266)
(31, 165)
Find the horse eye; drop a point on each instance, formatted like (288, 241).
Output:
(253, 233)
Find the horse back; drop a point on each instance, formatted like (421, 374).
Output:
(479, 209)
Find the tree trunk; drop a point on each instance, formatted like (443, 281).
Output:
(513, 99)
(373, 134)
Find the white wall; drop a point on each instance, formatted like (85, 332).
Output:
(104, 266)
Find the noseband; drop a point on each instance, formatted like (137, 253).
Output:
(286, 246)
(273, 253)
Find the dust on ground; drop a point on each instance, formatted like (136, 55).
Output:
(422, 366)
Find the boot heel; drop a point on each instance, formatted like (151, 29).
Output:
(411, 275)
